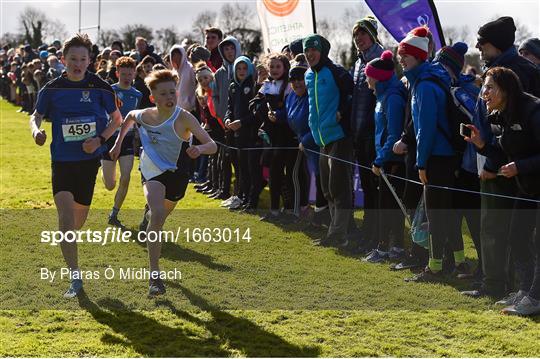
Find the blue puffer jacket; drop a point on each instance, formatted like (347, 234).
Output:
(389, 119)
(429, 113)
(298, 117)
(469, 162)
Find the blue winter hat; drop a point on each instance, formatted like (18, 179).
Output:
(452, 57)
(43, 54)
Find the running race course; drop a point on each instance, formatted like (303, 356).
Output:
(276, 295)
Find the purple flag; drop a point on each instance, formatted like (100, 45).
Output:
(400, 16)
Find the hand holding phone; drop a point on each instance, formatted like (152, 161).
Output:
(464, 130)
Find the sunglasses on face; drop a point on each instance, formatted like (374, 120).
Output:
(481, 41)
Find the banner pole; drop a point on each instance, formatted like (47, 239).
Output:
(437, 22)
(313, 16)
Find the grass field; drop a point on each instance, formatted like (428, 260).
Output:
(276, 295)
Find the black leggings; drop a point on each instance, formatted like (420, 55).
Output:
(281, 181)
(467, 205)
(525, 246)
(440, 213)
(391, 219)
(250, 176)
(300, 182)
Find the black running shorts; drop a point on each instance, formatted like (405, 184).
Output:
(125, 150)
(77, 177)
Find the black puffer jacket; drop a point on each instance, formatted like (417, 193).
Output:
(238, 109)
(519, 142)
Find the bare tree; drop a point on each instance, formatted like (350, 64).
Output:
(128, 34)
(522, 32)
(11, 39)
(235, 16)
(453, 34)
(166, 37)
(32, 22)
(55, 30)
(106, 37)
(202, 21)
(38, 28)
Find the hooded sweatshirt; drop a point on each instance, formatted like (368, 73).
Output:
(224, 76)
(240, 93)
(187, 83)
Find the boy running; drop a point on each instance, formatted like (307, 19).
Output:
(129, 99)
(77, 103)
(166, 133)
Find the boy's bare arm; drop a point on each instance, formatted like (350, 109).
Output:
(38, 134)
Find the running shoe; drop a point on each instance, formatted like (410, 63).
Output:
(512, 298)
(156, 287)
(270, 217)
(376, 256)
(228, 201)
(396, 254)
(74, 288)
(114, 221)
(426, 276)
(462, 271)
(410, 262)
(526, 306)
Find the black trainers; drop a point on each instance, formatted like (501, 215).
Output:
(482, 292)
(410, 262)
(156, 287)
(330, 241)
(462, 271)
(114, 221)
(270, 217)
(426, 276)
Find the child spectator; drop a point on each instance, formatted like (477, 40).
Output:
(212, 124)
(269, 106)
(389, 114)
(240, 120)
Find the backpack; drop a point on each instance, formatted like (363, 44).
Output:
(420, 225)
(460, 108)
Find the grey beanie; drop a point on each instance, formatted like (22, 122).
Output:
(531, 45)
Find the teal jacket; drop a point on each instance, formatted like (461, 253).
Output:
(323, 106)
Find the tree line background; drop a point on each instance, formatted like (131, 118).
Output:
(239, 20)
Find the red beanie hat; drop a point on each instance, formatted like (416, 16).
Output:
(416, 43)
(381, 69)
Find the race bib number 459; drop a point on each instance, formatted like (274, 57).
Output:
(78, 128)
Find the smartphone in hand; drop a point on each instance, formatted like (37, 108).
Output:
(464, 130)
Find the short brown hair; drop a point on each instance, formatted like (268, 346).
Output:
(148, 59)
(214, 30)
(78, 40)
(160, 76)
(125, 62)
